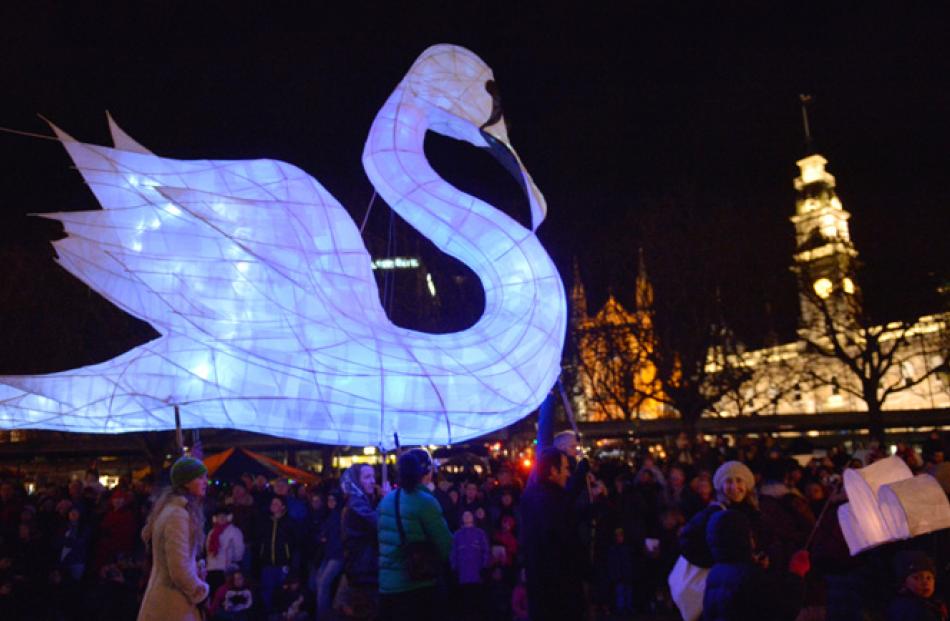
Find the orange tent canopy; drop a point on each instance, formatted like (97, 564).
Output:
(235, 461)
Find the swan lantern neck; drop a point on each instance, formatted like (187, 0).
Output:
(262, 290)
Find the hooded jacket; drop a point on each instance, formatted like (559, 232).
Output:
(737, 589)
(360, 544)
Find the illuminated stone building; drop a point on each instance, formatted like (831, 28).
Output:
(830, 309)
(613, 377)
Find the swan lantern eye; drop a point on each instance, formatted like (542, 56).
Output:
(492, 89)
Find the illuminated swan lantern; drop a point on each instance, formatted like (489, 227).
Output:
(262, 289)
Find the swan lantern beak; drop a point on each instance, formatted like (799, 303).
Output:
(463, 102)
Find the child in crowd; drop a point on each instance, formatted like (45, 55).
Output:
(233, 600)
(620, 573)
(469, 556)
(916, 599)
(225, 546)
(289, 601)
(519, 599)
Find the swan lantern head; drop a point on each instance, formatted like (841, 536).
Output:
(463, 101)
(261, 288)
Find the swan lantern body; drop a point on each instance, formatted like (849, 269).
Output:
(261, 287)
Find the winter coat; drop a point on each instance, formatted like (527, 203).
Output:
(174, 588)
(555, 561)
(909, 607)
(470, 554)
(620, 563)
(331, 536)
(360, 541)
(421, 520)
(116, 536)
(737, 589)
(693, 536)
(787, 520)
(230, 552)
(72, 547)
(278, 541)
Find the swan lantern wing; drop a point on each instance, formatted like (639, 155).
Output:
(261, 288)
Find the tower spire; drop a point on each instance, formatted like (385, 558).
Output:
(806, 100)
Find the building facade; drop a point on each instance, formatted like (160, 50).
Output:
(904, 364)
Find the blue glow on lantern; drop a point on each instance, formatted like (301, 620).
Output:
(262, 289)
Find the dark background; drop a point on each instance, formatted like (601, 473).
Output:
(666, 113)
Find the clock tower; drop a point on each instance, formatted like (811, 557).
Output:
(825, 257)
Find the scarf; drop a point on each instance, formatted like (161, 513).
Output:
(214, 539)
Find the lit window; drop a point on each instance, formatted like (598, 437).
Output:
(823, 287)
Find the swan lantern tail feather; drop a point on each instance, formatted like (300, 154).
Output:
(261, 287)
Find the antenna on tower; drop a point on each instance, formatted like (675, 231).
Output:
(805, 101)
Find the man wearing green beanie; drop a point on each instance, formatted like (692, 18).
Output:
(173, 533)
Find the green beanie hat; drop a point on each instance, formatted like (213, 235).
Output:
(186, 470)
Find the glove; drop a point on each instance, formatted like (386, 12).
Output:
(800, 563)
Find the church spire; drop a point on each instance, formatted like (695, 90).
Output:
(644, 290)
(578, 297)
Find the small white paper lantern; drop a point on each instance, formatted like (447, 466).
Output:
(862, 486)
(914, 506)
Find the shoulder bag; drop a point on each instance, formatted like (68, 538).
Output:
(422, 557)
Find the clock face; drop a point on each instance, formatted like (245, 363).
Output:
(823, 287)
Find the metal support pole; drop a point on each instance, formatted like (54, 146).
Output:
(179, 442)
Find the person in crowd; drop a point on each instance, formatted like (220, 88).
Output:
(116, 531)
(507, 483)
(233, 600)
(701, 494)
(676, 492)
(505, 507)
(470, 556)
(554, 558)
(173, 532)
(519, 599)
(738, 588)
(331, 565)
(735, 489)
(786, 516)
(359, 596)
(505, 538)
(289, 601)
(916, 598)
(620, 573)
(243, 510)
(224, 546)
(567, 442)
(296, 508)
(279, 550)
(72, 546)
(405, 593)
(473, 503)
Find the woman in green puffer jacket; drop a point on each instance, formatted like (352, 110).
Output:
(401, 597)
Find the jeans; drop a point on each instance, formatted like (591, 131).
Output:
(272, 577)
(329, 569)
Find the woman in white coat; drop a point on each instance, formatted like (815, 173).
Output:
(174, 533)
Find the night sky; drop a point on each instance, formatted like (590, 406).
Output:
(610, 109)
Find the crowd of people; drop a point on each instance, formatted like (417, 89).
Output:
(576, 538)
